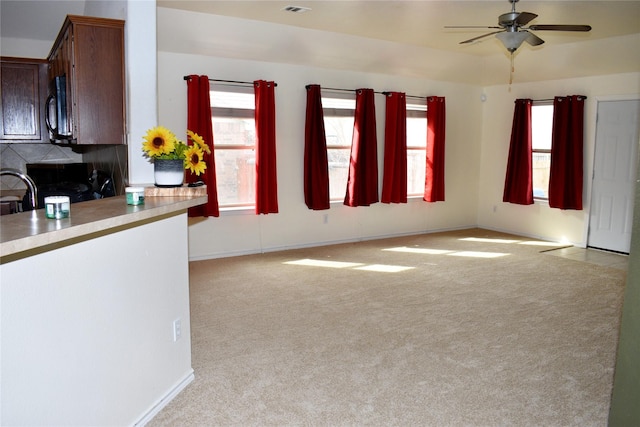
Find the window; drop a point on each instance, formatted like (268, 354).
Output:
(416, 148)
(338, 122)
(234, 130)
(541, 127)
(339, 116)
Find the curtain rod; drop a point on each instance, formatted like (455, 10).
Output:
(381, 93)
(552, 99)
(229, 81)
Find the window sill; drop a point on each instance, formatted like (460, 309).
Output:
(238, 210)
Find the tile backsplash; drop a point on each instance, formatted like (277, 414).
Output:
(109, 158)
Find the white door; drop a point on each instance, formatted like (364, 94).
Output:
(614, 175)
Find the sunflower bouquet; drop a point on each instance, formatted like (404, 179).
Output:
(160, 143)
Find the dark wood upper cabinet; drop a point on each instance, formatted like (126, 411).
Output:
(86, 103)
(23, 88)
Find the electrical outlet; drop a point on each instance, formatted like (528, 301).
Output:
(177, 329)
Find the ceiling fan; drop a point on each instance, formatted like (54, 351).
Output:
(512, 30)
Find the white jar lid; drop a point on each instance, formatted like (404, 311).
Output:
(56, 199)
(134, 189)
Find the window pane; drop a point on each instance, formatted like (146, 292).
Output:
(540, 170)
(338, 159)
(338, 126)
(339, 131)
(541, 124)
(541, 128)
(416, 169)
(234, 133)
(417, 133)
(233, 99)
(416, 149)
(339, 103)
(236, 176)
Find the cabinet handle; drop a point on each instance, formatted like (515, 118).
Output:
(47, 117)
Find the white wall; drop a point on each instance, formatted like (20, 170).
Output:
(87, 329)
(539, 220)
(142, 95)
(295, 225)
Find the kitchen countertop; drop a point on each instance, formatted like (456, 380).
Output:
(26, 232)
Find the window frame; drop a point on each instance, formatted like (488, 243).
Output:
(332, 112)
(226, 112)
(541, 151)
(418, 111)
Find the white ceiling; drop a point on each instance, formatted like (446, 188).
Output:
(405, 37)
(421, 23)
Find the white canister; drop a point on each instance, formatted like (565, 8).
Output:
(135, 195)
(57, 207)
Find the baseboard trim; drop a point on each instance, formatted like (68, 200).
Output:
(263, 250)
(164, 401)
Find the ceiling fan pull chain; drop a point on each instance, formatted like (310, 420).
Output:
(512, 70)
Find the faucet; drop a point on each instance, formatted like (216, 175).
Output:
(27, 180)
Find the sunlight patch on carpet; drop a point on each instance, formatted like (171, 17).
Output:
(539, 243)
(474, 254)
(418, 250)
(324, 263)
(487, 240)
(448, 252)
(384, 268)
(516, 241)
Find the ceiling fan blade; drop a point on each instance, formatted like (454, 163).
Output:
(524, 18)
(533, 40)
(468, 26)
(541, 27)
(481, 37)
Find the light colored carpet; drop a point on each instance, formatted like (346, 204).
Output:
(480, 332)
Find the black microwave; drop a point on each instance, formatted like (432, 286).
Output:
(56, 116)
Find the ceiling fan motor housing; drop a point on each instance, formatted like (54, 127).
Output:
(508, 19)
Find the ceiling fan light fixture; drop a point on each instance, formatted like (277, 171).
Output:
(512, 39)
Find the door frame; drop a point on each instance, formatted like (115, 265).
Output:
(591, 163)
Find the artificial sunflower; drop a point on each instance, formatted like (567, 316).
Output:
(194, 161)
(199, 141)
(159, 142)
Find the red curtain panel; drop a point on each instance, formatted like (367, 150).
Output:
(199, 121)
(394, 182)
(362, 183)
(518, 184)
(566, 171)
(266, 177)
(316, 165)
(436, 127)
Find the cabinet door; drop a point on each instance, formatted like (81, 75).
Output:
(23, 96)
(98, 81)
(61, 64)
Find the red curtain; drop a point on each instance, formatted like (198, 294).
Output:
(436, 126)
(199, 121)
(266, 177)
(518, 183)
(394, 182)
(565, 175)
(362, 184)
(316, 165)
